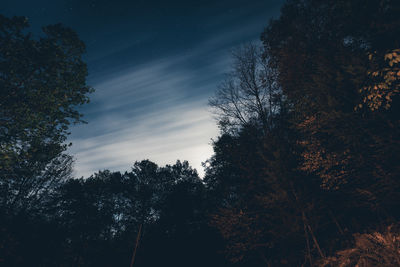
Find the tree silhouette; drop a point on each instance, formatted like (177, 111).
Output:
(42, 82)
(304, 173)
(249, 92)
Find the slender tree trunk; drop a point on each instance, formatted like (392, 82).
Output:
(308, 226)
(136, 245)
(312, 234)
(336, 222)
(308, 244)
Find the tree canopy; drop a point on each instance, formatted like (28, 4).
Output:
(304, 173)
(42, 81)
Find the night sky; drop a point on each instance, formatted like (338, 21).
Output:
(153, 64)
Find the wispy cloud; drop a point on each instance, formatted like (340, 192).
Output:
(155, 111)
(180, 132)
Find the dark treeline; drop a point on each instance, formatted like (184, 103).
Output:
(304, 173)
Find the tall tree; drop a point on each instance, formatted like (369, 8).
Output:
(322, 51)
(337, 64)
(249, 92)
(42, 82)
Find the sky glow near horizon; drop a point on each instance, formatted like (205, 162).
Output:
(154, 65)
(160, 119)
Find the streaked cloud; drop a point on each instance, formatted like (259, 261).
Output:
(180, 132)
(156, 110)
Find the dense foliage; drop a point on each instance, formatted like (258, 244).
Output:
(304, 173)
(42, 81)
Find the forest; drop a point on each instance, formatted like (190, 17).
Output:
(305, 171)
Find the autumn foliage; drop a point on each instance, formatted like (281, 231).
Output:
(330, 175)
(305, 171)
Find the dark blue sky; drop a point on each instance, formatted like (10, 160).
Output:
(153, 64)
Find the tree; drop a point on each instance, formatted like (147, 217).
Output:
(321, 51)
(99, 217)
(384, 84)
(333, 59)
(42, 82)
(371, 249)
(249, 93)
(321, 162)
